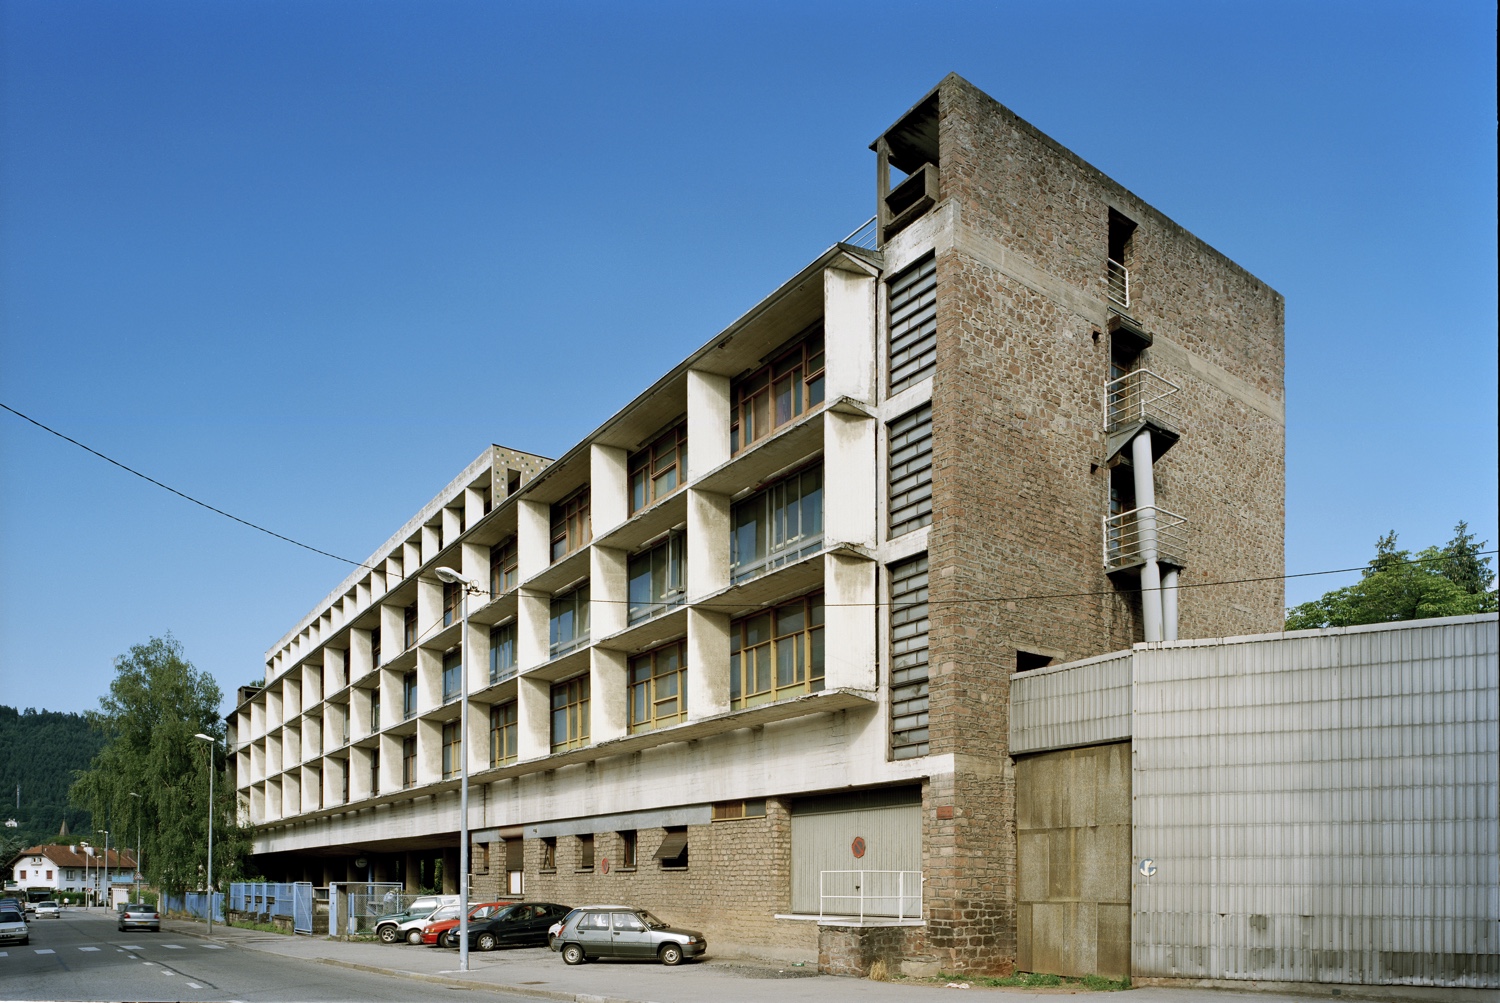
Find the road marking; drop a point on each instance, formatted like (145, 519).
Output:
(212, 947)
(148, 962)
(133, 947)
(88, 948)
(4, 954)
(194, 985)
(172, 947)
(45, 950)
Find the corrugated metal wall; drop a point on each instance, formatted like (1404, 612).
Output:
(1064, 706)
(1320, 806)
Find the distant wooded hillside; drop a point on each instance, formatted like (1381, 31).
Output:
(39, 750)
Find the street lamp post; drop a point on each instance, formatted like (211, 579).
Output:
(136, 891)
(104, 883)
(208, 910)
(454, 578)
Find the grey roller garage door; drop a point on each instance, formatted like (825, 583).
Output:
(888, 827)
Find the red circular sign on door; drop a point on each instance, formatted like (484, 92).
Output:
(858, 846)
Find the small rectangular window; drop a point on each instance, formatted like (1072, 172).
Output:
(570, 714)
(729, 811)
(777, 654)
(778, 393)
(569, 620)
(409, 695)
(657, 577)
(549, 853)
(409, 626)
(453, 595)
(658, 688)
(1029, 660)
(453, 672)
(375, 647)
(451, 764)
(627, 849)
(658, 469)
(673, 851)
(374, 771)
(409, 761)
(586, 852)
(503, 652)
(910, 468)
(571, 527)
(503, 564)
(375, 710)
(480, 858)
(913, 322)
(503, 733)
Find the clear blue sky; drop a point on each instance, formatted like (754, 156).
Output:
(305, 260)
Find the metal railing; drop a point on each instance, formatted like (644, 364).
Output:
(870, 894)
(1138, 396)
(1123, 536)
(866, 236)
(1119, 282)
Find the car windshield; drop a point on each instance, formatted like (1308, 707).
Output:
(652, 923)
(9, 916)
(446, 912)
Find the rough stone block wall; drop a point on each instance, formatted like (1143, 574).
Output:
(1020, 483)
(738, 877)
(1073, 861)
(851, 950)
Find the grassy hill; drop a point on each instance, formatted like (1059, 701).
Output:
(39, 750)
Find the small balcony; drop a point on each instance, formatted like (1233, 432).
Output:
(1138, 400)
(1124, 538)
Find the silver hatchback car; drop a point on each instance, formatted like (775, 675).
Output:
(622, 931)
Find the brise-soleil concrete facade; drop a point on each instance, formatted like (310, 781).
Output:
(748, 646)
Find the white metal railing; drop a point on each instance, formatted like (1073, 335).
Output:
(1137, 396)
(865, 236)
(875, 894)
(1123, 536)
(1119, 282)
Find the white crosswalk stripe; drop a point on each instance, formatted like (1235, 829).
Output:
(133, 947)
(194, 985)
(4, 954)
(172, 947)
(213, 947)
(88, 948)
(45, 950)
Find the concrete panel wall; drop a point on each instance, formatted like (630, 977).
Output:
(1073, 861)
(1321, 806)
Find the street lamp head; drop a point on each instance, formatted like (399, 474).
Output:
(206, 738)
(454, 578)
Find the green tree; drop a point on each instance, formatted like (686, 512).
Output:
(1453, 580)
(157, 702)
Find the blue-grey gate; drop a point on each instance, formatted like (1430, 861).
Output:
(302, 907)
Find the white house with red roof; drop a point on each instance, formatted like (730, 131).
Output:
(78, 867)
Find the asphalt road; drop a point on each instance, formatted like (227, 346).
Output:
(82, 956)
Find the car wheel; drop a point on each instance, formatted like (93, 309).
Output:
(414, 937)
(670, 954)
(573, 954)
(450, 939)
(387, 934)
(487, 942)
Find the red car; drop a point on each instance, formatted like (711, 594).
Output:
(443, 930)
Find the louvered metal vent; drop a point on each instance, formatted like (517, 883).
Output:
(913, 296)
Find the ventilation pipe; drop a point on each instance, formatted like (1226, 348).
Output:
(1145, 527)
(1169, 604)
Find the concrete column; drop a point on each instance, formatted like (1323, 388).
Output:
(608, 695)
(476, 656)
(849, 615)
(609, 590)
(359, 774)
(1169, 604)
(363, 592)
(273, 754)
(309, 784)
(429, 752)
(477, 736)
(358, 661)
(1145, 506)
(390, 763)
(609, 488)
(849, 334)
(708, 664)
(707, 543)
(474, 564)
(429, 608)
(392, 630)
(450, 870)
(429, 680)
(411, 557)
(432, 542)
(411, 872)
(390, 697)
(850, 485)
(533, 623)
(453, 519)
(359, 714)
(473, 505)
(708, 422)
(291, 793)
(533, 718)
(533, 537)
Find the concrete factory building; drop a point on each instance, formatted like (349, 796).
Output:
(744, 655)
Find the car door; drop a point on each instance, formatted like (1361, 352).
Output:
(594, 934)
(630, 936)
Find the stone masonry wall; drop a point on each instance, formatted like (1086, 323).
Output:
(1019, 480)
(738, 877)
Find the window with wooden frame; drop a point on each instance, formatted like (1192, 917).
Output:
(586, 852)
(658, 688)
(453, 595)
(730, 811)
(374, 771)
(375, 710)
(673, 851)
(571, 528)
(777, 654)
(451, 764)
(502, 652)
(503, 733)
(409, 626)
(408, 695)
(375, 647)
(779, 392)
(570, 714)
(657, 577)
(503, 565)
(658, 469)
(549, 853)
(628, 840)
(909, 671)
(782, 524)
(453, 671)
(479, 858)
(409, 761)
(569, 620)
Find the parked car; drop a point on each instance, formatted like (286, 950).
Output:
(48, 908)
(622, 931)
(519, 925)
(139, 915)
(442, 928)
(392, 928)
(13, 929)
(12, 903)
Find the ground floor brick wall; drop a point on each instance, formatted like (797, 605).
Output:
(969, 862)
(737, 879)
(853, 950)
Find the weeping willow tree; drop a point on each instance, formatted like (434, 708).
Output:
(151, 776)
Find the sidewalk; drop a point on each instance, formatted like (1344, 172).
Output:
(540, 973)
